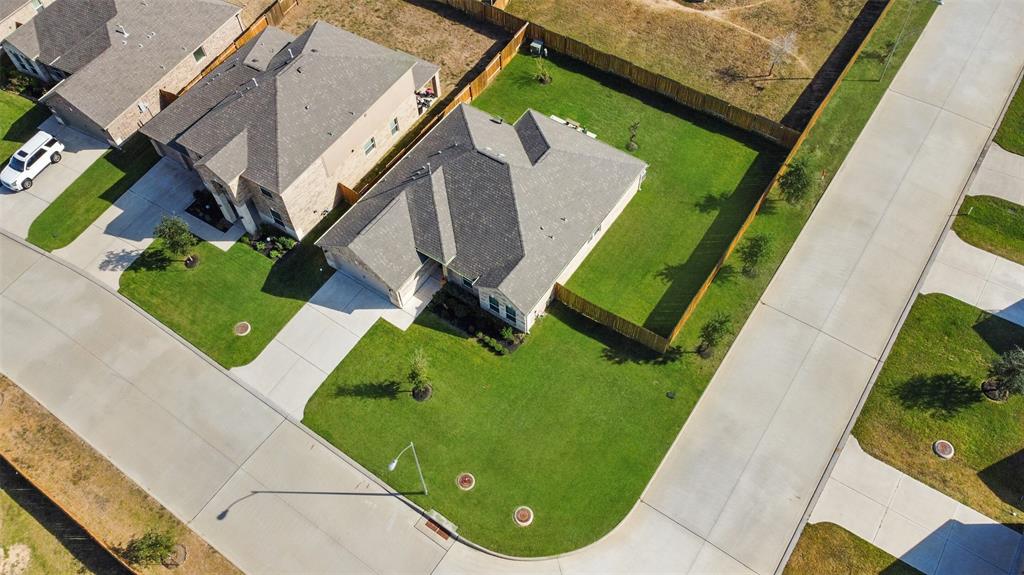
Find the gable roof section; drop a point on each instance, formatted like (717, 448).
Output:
(111, 71)
(295, 97)
(522, 199)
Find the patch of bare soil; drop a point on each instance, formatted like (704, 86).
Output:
(89, 487)
(457, 43)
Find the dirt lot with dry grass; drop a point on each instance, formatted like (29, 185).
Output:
(88, 486)
(721, 47)
(423, 28)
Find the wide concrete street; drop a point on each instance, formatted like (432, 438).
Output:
(733, 490)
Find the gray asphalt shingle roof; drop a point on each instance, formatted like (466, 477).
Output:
(293, 97)
(109, 71)
(522, 201)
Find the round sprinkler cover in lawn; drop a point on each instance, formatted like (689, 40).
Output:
(465, 481)
(523, 516)
(176, 558)
(242, 328)
(943, 449)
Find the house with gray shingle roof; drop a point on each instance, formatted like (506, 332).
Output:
(16, 13)
(115, 62)
(502, 210)
(274, 129)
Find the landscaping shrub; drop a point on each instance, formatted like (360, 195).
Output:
(795, 183)
(462, 310)
(712, 332)
(1006, 373)
(176, 236)
(753, 251)
(149, 549)
(271, 242)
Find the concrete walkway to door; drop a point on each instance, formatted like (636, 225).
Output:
(301, 356)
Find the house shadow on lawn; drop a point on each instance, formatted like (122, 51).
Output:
(1001, 335)
(1006, 480)
(26, 125)
(685, 279)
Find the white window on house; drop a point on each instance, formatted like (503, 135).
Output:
(494, 305)
(38, 5)
(369, 146)
(394, 126)
(510, 313)
(266, 192)
(277, 218)
(199, 54)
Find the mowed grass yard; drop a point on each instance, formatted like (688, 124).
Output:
(703, 180)
(1010, 134)
(720, 47)
(92, 193)
(574, 422)
(19, 119)
(930, 388)
(992, 224)
(203, 304)
(828, 549)
(457, 43)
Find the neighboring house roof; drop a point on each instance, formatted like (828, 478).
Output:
(291, 97)
(110, 71)
(508, 206)
(8, 7)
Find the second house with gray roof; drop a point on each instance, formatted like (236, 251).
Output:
(116, 62)
(274, 129)
(502, 210)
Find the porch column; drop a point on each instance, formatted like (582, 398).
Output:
(225, 206)
(248, 220)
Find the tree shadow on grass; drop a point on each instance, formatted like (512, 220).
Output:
(150, 260)
(1006, 479)
(684, 279)
(389, 389)
(943, 395)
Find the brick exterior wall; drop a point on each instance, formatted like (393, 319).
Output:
(19, 17)
(132, 119)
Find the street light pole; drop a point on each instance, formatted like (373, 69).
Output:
(394, 464)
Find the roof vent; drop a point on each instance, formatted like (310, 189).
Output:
(120, 30)
(290, 54)
(255, 82)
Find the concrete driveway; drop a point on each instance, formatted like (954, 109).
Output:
(110, 244)
(19, 209)
(313, 343)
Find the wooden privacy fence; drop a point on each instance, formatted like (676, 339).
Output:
(782, 170)
(272, 16)
(637, 333)
(636, 75)
(464, 96)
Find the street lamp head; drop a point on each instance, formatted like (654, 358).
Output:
(393, 464)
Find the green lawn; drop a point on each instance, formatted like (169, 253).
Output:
(203, 304)
(930, 389)
(573, 423)
(992, 224)
(828, 549)
(703, 179)
(99, 186)
(1010, 134)
(19, 118)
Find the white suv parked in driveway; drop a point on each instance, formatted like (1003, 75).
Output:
(29, 161)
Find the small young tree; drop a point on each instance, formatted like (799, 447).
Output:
(633, 145)
(177, 238)
(753, 251)
(418, 376)
(712, 332)
(781, 50)
(149, 549)
(543, 74)
(795, 183)
(1006, 374)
